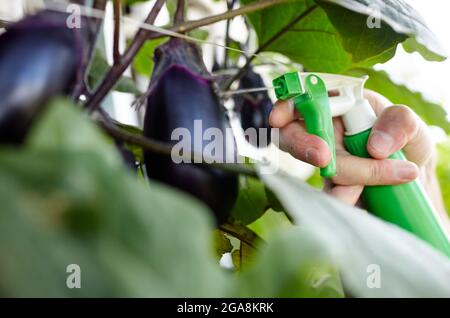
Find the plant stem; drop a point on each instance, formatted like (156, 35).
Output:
(230, 5)
(117, 70)
(241, 232)
(166, 150)
(117, 15)
(266, 44)
(179, 13)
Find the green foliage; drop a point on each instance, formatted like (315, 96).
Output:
(443, 171)
(352, 239)
(143, 62)
(251, 202)
(333, 36)
(98, 68)
(431, 113)
(66, 199)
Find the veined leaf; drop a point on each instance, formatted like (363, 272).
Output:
(360, 244)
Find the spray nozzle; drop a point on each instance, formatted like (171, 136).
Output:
(310, 98)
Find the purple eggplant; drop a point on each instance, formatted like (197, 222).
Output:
(254, 108)
(181, 92)
(39, 59)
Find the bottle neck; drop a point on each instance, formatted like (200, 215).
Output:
(359, 118)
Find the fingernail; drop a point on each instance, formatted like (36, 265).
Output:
(405, 171)
(312, 156)
(381, 142)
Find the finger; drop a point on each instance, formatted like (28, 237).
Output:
(353, 170)
(377, 101)
(399, 127)
(283, 113)
(304, 146)
(346, 194)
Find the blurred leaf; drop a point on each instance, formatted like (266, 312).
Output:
(234, 55)
(251, 202)
(135, 149)
(431, 113)
(443, 171)
(63, 204)
(98, 68)
(316, 180)
(64, 128)
(274, 203)
(199, 34)
(270, 224)
(222, 244)
(292, 265)
(242, 258)
(143, 62)
(353, 240)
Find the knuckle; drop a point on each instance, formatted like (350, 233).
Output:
(378, 171)
(407, 116)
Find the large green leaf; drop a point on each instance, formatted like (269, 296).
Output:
(293, 264)
(431, 113)
(66, 200)
(313, 41)
(332, 36)
(403, 19)
(251, 202)
(357, 242)
(63, 203)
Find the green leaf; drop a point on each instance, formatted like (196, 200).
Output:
(332, 36)
(251, 202)
(64, 128)
(61, 205)
(403, 19)
(274, 203)
(313, 41)
(243, 257)
(98, 68)
(354, 240)
(299, 264)
(270, 224)
(431, 113)
(222, 244)
(376, 44)
(443, 171)
(143, 62)
(135, 149)
(316, 180)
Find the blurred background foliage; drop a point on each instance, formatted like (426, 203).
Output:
(68, 199)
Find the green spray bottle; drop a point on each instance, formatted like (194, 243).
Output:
(406, 205)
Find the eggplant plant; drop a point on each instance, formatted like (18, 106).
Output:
(67, 196)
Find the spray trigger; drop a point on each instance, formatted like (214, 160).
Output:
(310, 97)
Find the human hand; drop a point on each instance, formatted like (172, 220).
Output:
(397, 127)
